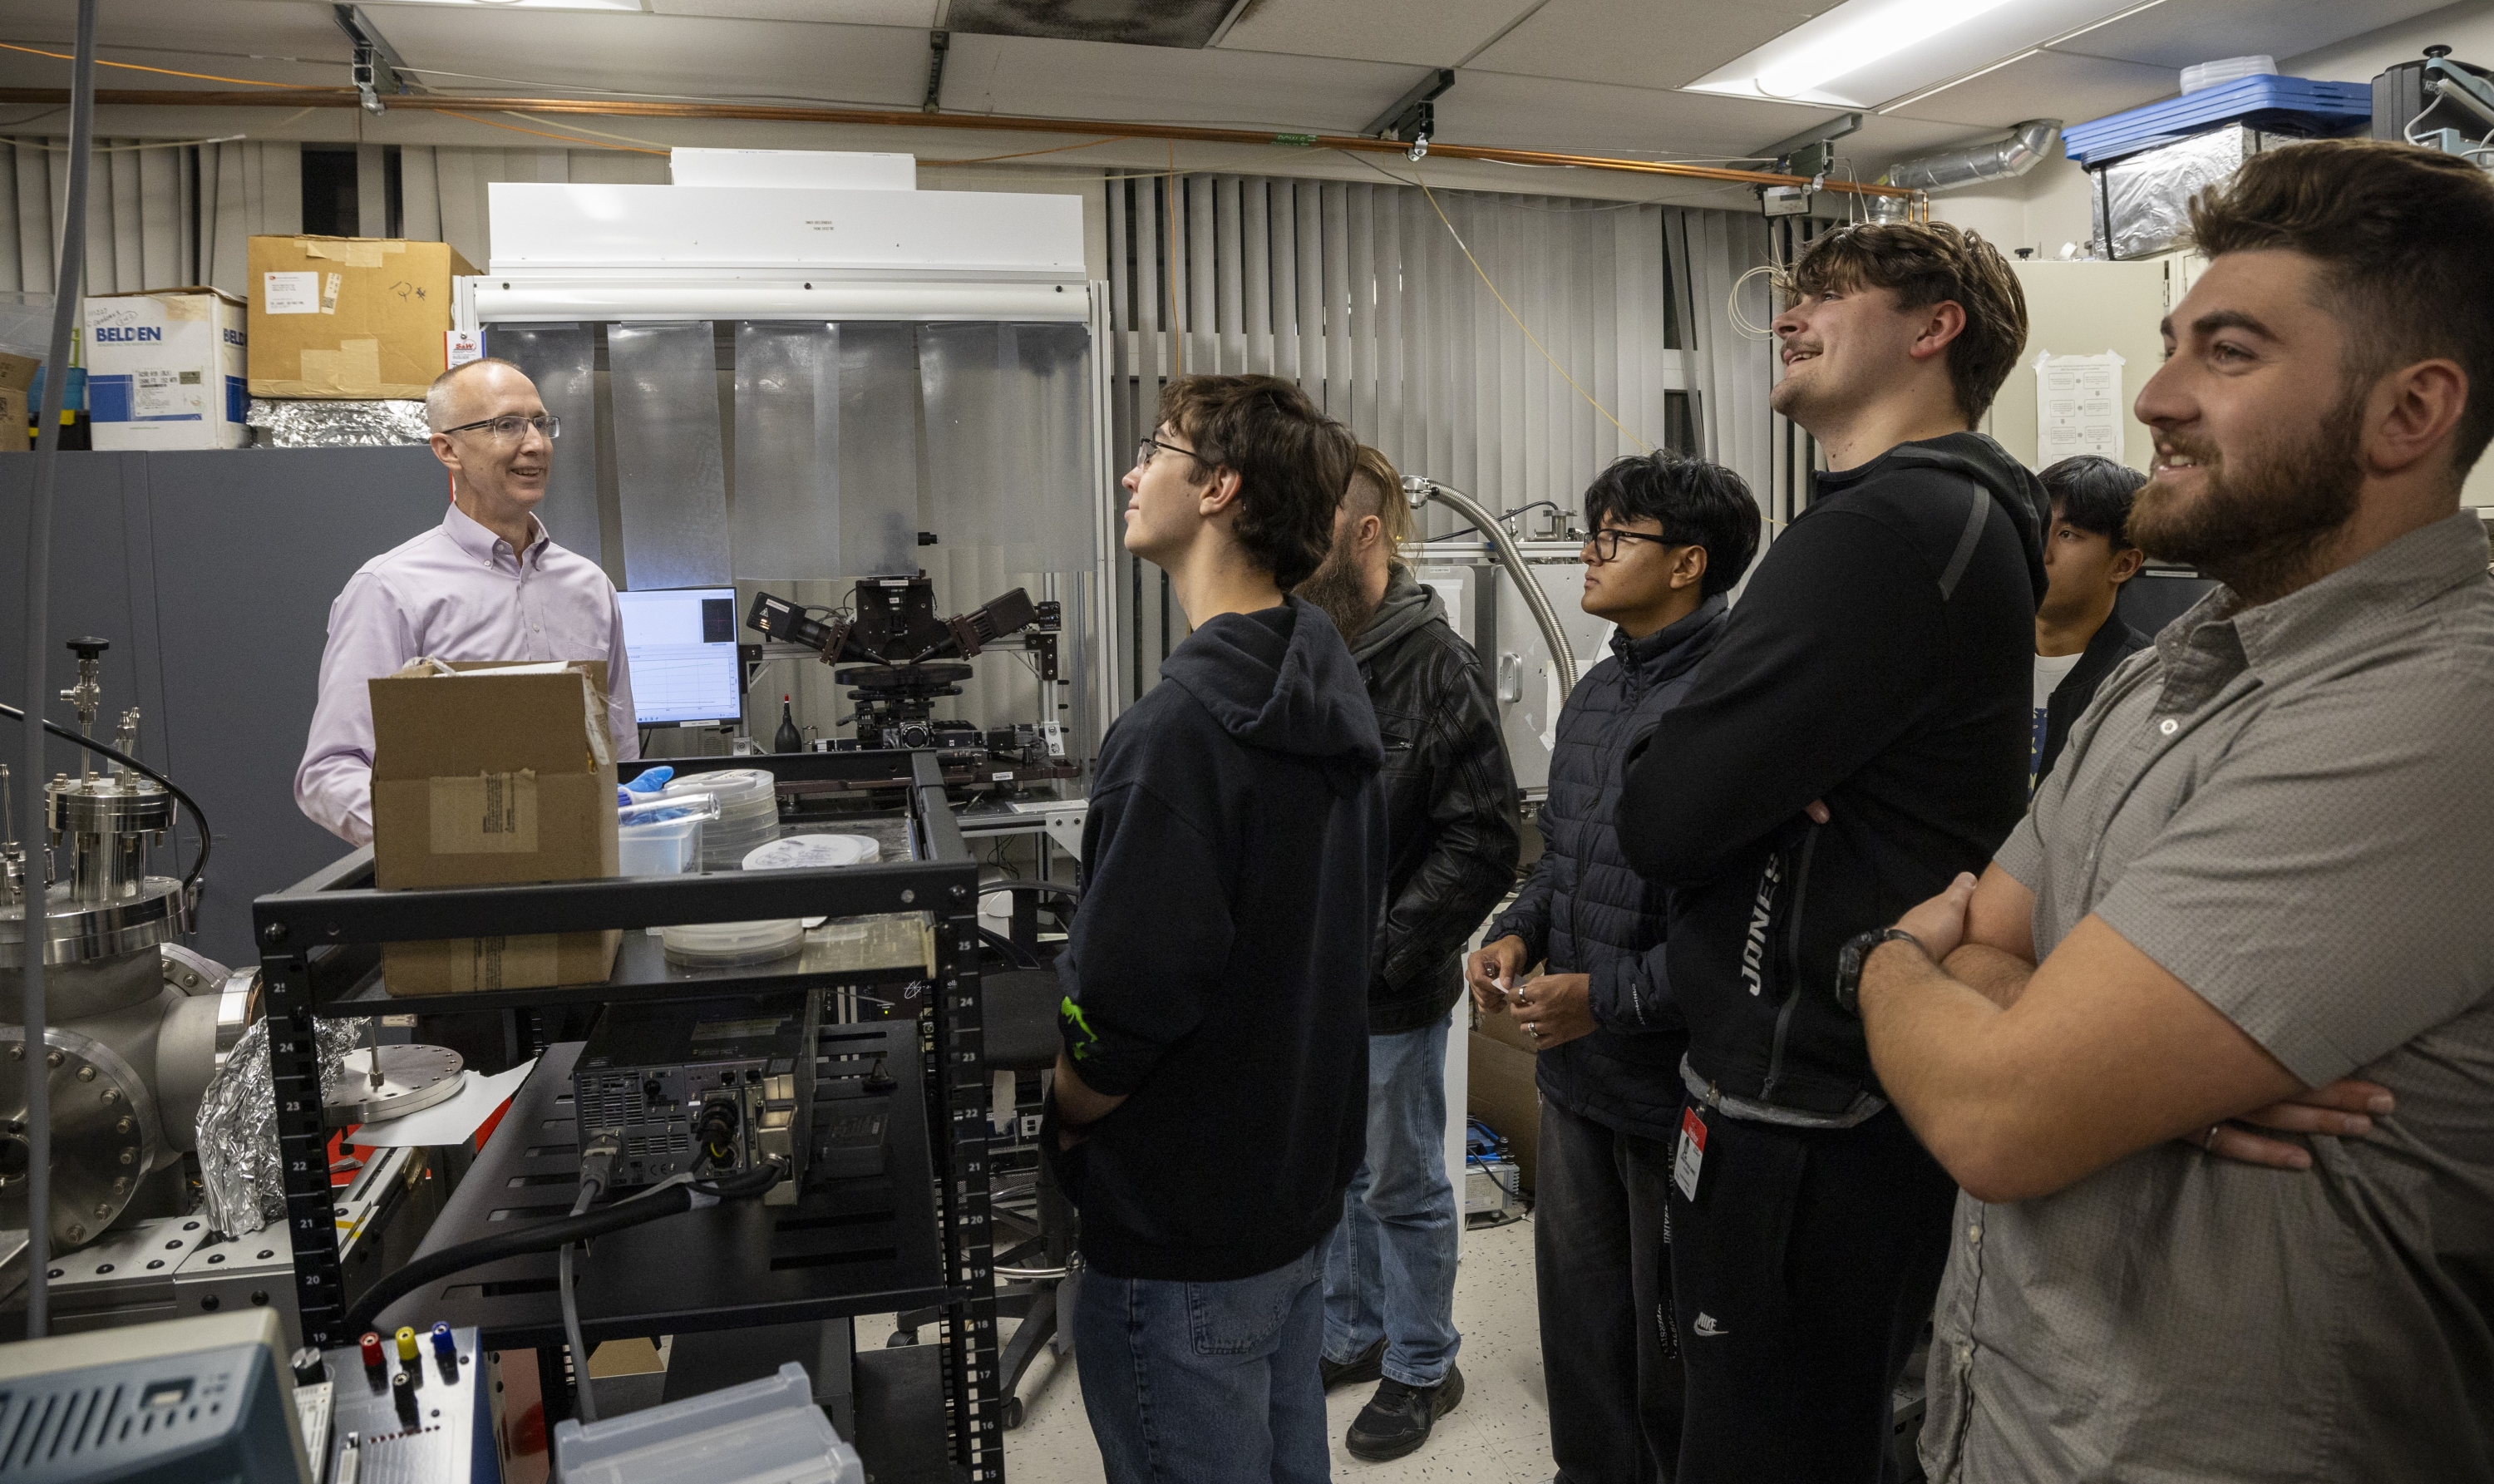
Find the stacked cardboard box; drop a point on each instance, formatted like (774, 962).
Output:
(164, 370)
(359, 318)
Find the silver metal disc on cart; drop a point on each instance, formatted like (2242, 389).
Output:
(413, 1077)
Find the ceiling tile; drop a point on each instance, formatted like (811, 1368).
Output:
(2048, 84)
(919, 13)
(1602, 119)
(871, 66)
(1215, 87)
(227, 38)
(2182, 33)
(1429, 33)
(1650, 43)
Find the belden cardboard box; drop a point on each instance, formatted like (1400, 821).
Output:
(485, 773)
(164, 370)
(358, 318)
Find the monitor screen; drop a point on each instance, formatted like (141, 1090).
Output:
(681, 645)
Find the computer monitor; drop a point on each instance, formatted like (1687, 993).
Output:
(682, 646)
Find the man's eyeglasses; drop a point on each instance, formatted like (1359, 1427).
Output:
(1149, 446)
(509, 429)
(1605, 544)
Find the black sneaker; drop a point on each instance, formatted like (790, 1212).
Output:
(1397, 1419)
(1367, 1366)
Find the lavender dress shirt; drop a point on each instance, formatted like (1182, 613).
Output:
(455, 592)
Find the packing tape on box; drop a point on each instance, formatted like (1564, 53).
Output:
(354, 366)
(354, 252)
(491, 963)
(485, 814)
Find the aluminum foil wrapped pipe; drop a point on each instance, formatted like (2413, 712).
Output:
(1419, 487)
(239, 1175)
(2028, 146)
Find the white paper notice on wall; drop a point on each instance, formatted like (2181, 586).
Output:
(2078, 407)
(460, 347)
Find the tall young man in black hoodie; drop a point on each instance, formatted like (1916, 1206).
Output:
(1859, 736)
(1210, 1102)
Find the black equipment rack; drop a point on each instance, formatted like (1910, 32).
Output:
(319, 953)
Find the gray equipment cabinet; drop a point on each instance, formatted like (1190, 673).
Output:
(719, 1268)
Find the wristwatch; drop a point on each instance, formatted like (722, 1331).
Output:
(1849, 960)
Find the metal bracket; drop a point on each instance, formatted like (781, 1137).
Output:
(376, 67)
(1412, 118)
(1809, 152)
(938, 42)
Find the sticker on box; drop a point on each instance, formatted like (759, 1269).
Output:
(291, 293)
(459, 348)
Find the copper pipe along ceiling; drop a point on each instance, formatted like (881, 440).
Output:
(347, 98)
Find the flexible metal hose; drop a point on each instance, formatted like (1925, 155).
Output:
(1419, 487)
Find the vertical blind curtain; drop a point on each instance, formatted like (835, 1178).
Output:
(1359, 293)
(170, 216)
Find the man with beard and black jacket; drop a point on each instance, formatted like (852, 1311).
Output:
(1858, 738)
(1453, 836)
(1211, 1101)
(1671, 537)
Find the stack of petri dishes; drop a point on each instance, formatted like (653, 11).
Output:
(748, 813)
(732, 945)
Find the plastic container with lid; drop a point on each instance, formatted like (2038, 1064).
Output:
(732, 945)
(2208, 74)
(666, 848)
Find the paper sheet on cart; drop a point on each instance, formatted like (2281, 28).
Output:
(2078, 407)
(453, 1121)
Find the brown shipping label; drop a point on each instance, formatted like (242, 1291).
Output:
(485, 814)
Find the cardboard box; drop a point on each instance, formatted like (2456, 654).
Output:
(1501, 1092)
(164, 370)
(357, 317)
(17, 371)
(493, 773)
(16, 422)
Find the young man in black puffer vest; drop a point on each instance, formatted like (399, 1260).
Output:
(1858, 739)
(1671, 538)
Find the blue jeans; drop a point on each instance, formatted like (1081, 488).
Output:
(1206, 1383)
(1389, 1268)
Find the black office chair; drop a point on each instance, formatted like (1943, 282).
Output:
(1022, 995)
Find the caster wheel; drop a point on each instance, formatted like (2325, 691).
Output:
(899, 1338)
(1012, 1413)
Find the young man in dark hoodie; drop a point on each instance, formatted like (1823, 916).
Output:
(1211, 1101)
(1671, 537)
(1858, 738)
(1453, 835)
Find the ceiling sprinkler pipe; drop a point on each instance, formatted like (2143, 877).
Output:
(1420, 487)
(2028, 146)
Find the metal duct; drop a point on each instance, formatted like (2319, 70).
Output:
(2028, 146)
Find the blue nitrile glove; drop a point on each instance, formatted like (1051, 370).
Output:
(651, 780)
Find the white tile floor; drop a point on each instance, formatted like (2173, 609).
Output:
(1502, 1430)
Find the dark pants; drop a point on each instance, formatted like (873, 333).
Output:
(1803, 1272)
(1601, 1254)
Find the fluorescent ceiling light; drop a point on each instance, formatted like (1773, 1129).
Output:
(634, 5)
(1864, 52)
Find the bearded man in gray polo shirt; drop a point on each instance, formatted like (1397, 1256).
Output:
(2263, 862)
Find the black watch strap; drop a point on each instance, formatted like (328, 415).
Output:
(1856, 953)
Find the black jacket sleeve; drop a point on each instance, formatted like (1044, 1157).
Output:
(1843, 620)
(1631, 992)
(1528, 917)
(1476, 832)
(1135, 972)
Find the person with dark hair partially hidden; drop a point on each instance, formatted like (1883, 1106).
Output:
(1671, 538)
(1211, 1101)
(2087, 556)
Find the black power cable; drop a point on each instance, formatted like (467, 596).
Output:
(199, 817)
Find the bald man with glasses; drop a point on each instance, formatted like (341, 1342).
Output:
(487, 584)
